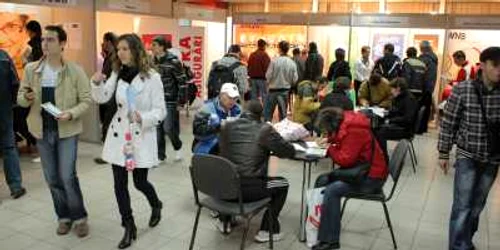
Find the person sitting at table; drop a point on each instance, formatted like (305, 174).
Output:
(339, 96)
(248, 143)
(349, 141)
(207, 121)
(306, 105)
(375, 92)
(399, 122)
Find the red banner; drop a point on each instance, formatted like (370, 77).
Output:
(191, 45)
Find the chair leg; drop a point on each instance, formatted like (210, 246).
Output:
(195, 228)
(270, 212)
(413, 164)
(245, 233)
(413, 151)
(344, 204)
(388, 219)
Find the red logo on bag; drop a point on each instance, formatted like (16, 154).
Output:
(314, 219)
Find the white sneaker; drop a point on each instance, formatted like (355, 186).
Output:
(224, 228)
(36, 160)
(263, 237)
(178, 156)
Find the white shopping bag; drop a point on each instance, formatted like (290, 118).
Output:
(291, 131)
(314, 203)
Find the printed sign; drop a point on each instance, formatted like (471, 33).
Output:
(191, 45)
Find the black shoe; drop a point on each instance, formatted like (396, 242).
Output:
(18, 194)
(100, 161)
(326, 246)
(155, 215)
(129, 235)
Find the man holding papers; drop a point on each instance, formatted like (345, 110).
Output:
(64, 91)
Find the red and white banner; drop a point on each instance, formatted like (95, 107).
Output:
(191, 45)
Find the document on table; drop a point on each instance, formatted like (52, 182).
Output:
(51, 109)
(310, 149)
(381, 112)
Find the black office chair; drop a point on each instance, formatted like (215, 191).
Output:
(395, 167)
(216, 177)
(418, 121)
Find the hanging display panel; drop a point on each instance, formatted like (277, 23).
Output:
(248, 35)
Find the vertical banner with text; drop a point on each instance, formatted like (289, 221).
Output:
(192, 47)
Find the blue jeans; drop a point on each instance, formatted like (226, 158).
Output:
(59, 157)
(473, 181)
(259, 88)
(329, 227)
(9, 150)
(276, 98)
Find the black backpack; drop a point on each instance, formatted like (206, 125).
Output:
(219, 75)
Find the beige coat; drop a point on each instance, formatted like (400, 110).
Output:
(72, 95)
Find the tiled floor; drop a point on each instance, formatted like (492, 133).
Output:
(419, 210)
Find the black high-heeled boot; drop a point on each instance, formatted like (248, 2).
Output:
(155, 215)
(129, 235)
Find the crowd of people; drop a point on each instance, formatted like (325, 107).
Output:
(139, 96)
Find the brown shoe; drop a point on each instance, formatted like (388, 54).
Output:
(64, 228)
(82, 229)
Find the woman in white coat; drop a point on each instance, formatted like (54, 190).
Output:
(130, 144)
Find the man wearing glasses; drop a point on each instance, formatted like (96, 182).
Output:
(207, 121)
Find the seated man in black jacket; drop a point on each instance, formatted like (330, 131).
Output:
(339, 96)
(248, 143)
(399, 122)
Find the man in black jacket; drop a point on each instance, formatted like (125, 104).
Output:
(108, 109)
(248, 143)
(8, 92)
(340, 67)
(415, 72)
(174, 80)
(389, 66)
(339, 96)
(431, 62)
(399, 121)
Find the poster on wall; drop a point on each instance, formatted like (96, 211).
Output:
(147, 39)
(13, 36)
(471, 42)
(248, 35)
(380, 40)
(431, 38)
(191, 46)
(74, 32)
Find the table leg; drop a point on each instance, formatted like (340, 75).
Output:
(302, 236)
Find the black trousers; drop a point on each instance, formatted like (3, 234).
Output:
(106, 113)
(21, 125)
(254, 189)
(142, 184)
(390, 132)
(425, 101)
(170, 126)
(357, 85)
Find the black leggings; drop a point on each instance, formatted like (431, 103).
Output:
(142, 184)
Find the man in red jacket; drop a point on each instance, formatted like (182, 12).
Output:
(257, 67)
(349, 143)
(465, 73)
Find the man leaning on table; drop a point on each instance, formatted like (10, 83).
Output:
(248, 143)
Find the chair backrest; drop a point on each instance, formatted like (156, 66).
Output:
(419, 118)
(397, 162)
(215, 176)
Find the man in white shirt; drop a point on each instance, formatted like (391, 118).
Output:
(363, 67)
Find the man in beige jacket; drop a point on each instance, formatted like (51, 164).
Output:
(64, 84)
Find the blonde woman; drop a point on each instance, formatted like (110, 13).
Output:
(130, 144)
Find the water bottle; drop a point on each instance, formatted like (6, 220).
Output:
(128, 151)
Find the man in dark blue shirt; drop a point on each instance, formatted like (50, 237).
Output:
(8, 91)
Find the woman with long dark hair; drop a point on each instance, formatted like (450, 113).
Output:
(314, 64)
(130, 144)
